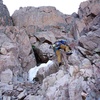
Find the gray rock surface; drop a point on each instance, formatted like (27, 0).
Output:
(77, 78)
(5, 18)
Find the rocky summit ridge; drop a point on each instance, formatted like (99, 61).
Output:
(25, 43)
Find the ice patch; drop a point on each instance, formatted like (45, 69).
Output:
(33, 71)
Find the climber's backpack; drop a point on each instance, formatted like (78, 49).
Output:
(58, 43)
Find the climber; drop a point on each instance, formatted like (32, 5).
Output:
(61, 44)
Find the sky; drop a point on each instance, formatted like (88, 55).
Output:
(64, 6)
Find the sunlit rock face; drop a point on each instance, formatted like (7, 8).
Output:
(41, 16)
(28, 65)
(88, 8)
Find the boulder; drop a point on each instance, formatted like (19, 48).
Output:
(73, 70)
(8, 53)
(28, 43)
(45, 37)
(16, 52)
(5, 19)
(6, 76)
(3, 51)
(40, 56)
(87, 44)
(87, 8)
(41, 16)
(24, 47)
(74, 59)
(22, 95)
(53, 87)
(86, 63)
(47, 49)
(75, 88)
(58, 30)
(77, 27)
(95, 23)
(91, 41)
(46, 71)
(80, 25)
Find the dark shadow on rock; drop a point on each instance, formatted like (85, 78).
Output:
(40, 57)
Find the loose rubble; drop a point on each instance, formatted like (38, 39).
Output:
(79, 76)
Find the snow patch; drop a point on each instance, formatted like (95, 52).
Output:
(33, 71)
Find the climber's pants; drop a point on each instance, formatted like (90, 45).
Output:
(65, 48)
(58, 53)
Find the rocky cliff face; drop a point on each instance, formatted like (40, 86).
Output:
(90, 7)
(5, 18)
(77, 79)
(42, 16)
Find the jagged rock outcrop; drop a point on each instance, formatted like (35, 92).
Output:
(90, 7)
(40, 27)
(43, 53)
(5, 18)
(95, 23)
(45, 37)
(90, 49)
(8, 53)
(41, 16)
(15, 52)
